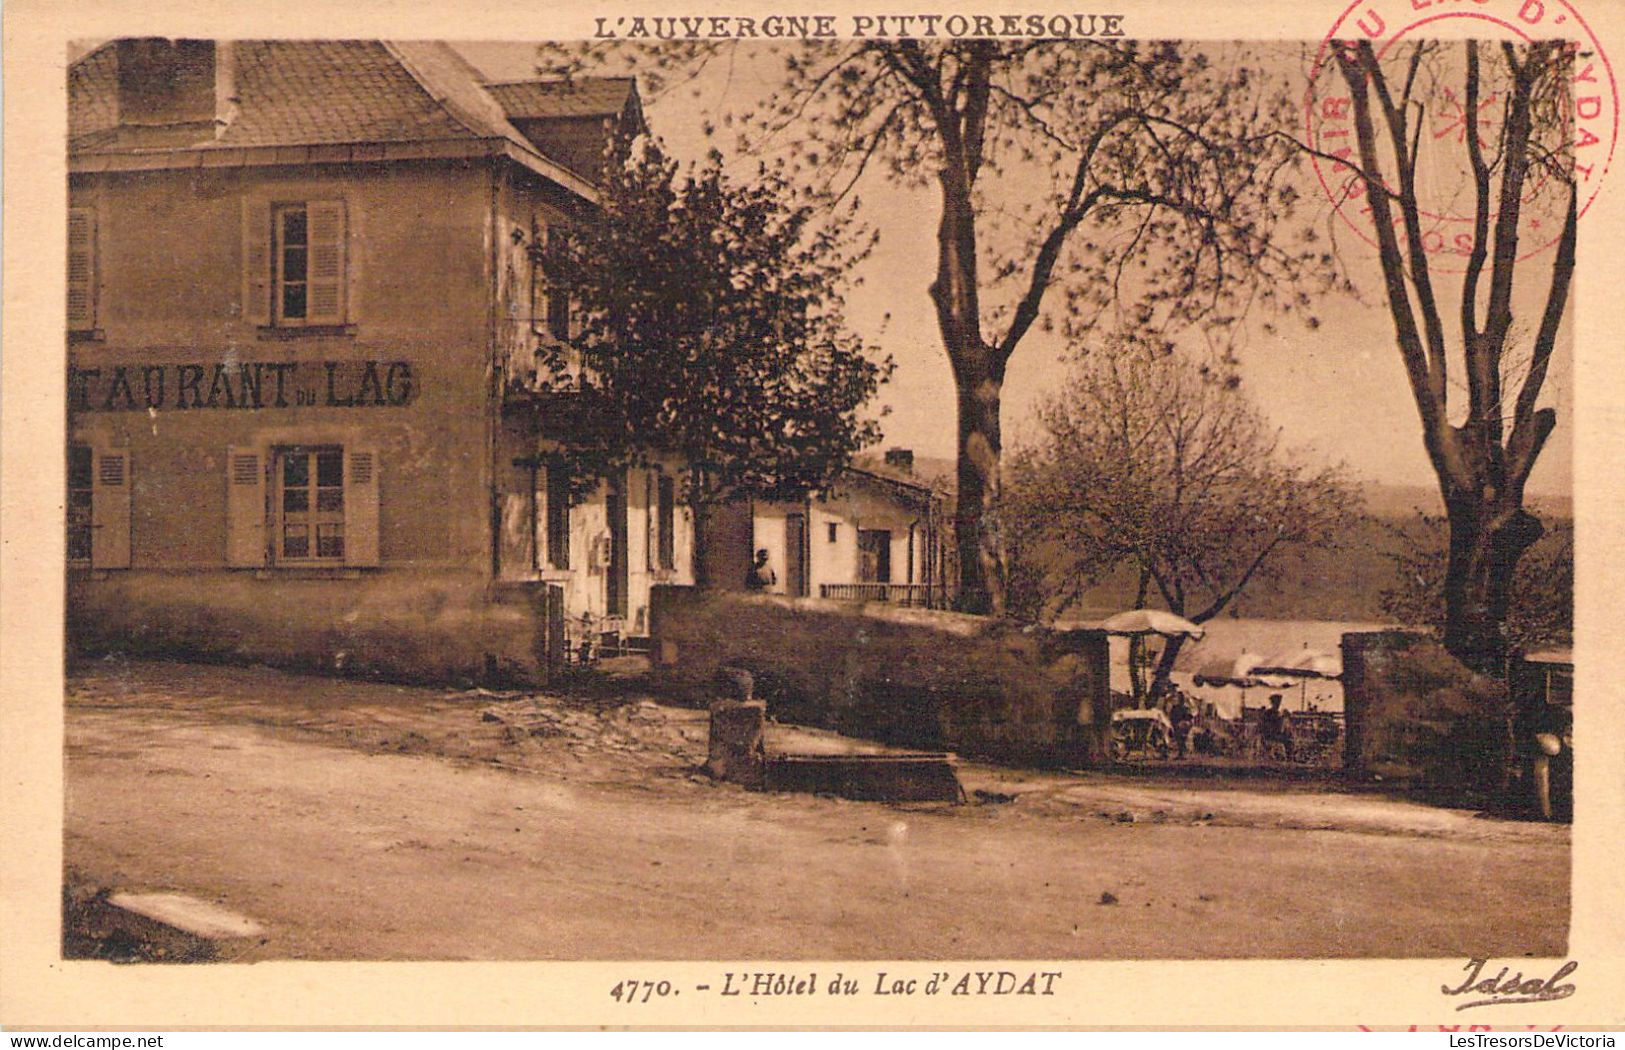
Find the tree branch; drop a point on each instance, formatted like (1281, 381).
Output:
(1218, 604)
(1077, 206)
(1481, 213)
(1430, 404)
(1529, 431)
(1420, 270)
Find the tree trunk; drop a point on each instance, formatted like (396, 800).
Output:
(1163, 676)
(1487, 537)
(978, 375)
(976, 511)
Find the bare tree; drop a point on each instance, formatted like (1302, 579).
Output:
(1518, 152)
(1142, 178)
(1149, 460)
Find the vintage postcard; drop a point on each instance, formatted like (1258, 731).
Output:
(941, 515)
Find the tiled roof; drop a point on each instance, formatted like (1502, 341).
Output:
(305, 92)
(578, 97)
(889, 477)
(329, 92)
(92, 95)
(456, 86)
(931, 472)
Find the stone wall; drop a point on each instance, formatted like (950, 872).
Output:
(398, 626)
(1415, 714)
(911, 677)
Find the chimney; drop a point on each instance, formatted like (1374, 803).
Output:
(901, 459)
(173, 92)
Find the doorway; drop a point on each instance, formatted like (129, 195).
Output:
(795, 555)
(874, 556)
(615, 507)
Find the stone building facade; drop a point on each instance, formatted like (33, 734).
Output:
(302, 326)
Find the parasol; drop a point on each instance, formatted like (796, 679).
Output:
(1151, 621)
(1303, 663)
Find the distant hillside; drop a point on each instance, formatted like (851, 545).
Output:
(1382, 500)
(1341, 583)
(1402, 501)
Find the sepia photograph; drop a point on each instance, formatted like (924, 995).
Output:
(805, 489)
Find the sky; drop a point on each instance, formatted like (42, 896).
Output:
(1337, 393)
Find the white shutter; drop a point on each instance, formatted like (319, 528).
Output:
(81, 269)
(256, 307)
(361, 507)
(682, 544)
(245, 507)
(325, 304)
(110, 509)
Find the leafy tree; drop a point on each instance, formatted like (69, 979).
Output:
(1143, 178)
(1541, 611)
(711, 328)
(1150, 460)
(1516, 142)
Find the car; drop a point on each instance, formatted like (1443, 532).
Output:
(1542, 686)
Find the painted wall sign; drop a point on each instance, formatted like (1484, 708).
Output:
(247, 384)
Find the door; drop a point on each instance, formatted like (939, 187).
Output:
(795, 555)
(615, 506)
(874, 556)
(552, 603)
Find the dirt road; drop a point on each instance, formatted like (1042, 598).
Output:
(363, 821)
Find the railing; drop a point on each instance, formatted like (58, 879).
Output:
(920, 595)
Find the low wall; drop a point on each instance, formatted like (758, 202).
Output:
(404, 626)
(1416, 714)
(911, 677)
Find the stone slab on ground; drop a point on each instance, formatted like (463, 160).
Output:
(200, 918)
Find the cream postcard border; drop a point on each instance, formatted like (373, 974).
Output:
(39, 990)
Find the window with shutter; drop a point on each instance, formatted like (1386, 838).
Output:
(302, 506)
(308, 266)
(308, 506)
(81, 269)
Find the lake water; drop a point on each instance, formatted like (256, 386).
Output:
(1226, 639)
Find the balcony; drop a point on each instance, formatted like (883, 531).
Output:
(917, 595)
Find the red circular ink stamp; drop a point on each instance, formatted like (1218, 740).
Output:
(1439, 120)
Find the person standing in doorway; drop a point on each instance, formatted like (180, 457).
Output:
(761, 576)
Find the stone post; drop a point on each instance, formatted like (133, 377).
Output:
(737, 751)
